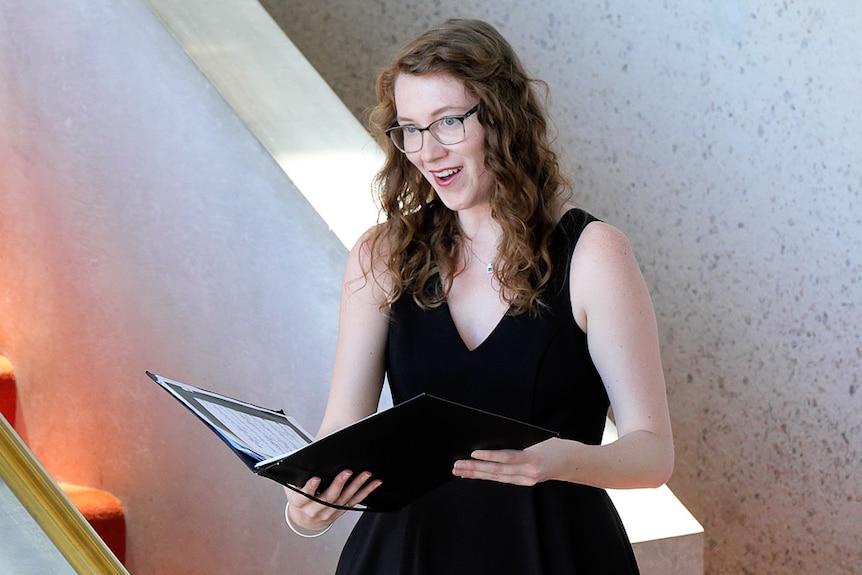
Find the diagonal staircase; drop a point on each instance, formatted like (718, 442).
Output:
(102, 510)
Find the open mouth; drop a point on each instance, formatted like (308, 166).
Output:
(445, 176)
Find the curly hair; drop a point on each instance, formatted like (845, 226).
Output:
(422, 236)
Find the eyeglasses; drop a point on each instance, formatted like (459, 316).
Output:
(448, 131)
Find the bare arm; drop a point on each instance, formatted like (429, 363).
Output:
(611, 303)
(357, 379)
(357, 375)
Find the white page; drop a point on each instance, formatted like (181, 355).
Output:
(265, 436)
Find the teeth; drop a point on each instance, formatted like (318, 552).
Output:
(446, 173)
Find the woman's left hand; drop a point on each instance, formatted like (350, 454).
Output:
(518, 467)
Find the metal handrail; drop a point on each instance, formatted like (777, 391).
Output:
(64, 525)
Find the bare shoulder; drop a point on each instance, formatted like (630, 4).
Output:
(600, 241)
(367, 264)
(374, 241)
(604, 271)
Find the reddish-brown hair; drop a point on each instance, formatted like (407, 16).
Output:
(421, 235)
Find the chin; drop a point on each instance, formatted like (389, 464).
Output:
(456, 206)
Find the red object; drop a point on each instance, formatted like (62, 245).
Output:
(8, 392)
(104, 513)
(102, 510)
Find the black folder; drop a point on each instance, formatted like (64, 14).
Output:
(411, 447)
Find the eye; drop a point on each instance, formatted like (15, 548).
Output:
(450, 122)
(409, 129)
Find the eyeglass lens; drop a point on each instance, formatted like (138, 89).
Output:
(447, 131)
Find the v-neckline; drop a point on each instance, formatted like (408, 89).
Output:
(485, 339)
(559, 225)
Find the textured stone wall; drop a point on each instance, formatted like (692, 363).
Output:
(725, 139)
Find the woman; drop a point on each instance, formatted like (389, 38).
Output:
(484, 285)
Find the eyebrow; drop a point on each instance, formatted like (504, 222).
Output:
(438, 113)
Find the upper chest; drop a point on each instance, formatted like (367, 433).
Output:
(476, 305)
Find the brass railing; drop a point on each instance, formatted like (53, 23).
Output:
(64, 525)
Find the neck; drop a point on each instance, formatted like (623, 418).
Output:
(481, 238)
(478, 227)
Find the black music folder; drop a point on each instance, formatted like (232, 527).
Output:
(410, 447)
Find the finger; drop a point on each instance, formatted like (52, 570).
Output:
(509, 456)
(519, 474)
(333, 492)
(495, 473)
(348, 490)
(484, 469)
(497, 461)
(358, 489)
(313, 515)
(345, 489)
(470, 468)
(366, 490)
(310, 488)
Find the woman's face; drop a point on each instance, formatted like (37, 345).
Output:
(456, 171)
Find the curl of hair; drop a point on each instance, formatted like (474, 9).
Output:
(422, 236)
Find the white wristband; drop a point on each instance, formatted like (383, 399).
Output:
(298, 530)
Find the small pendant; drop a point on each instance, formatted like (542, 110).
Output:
(490, 268)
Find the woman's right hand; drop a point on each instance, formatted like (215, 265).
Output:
(345, 490)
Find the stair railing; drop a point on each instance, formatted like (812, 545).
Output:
(64, 525)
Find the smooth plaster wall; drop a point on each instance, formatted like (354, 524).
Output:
(142, 227)
(725, 139)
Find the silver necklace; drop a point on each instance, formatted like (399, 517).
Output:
(489, 267)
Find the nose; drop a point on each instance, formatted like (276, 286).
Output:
(431, 148)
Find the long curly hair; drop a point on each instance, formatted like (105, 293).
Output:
(422, 237)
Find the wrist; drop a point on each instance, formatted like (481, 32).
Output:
(301, 531)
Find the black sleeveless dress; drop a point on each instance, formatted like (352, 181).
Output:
(535, 369)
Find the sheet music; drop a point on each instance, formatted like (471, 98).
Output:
(265, 436)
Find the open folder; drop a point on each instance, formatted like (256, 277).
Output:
(411, 447)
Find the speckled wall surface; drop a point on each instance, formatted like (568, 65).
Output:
(725, 139)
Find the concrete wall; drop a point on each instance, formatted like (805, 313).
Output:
(142, 226)
(725, 138)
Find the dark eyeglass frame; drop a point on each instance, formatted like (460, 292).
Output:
(459, 117)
